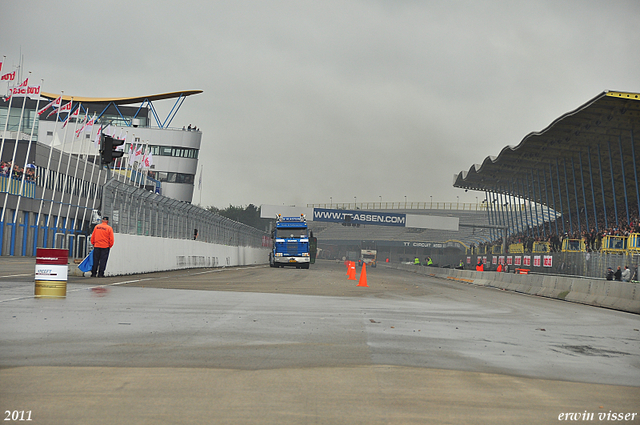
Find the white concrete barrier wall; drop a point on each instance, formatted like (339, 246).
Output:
(133, 254)
(623, 296)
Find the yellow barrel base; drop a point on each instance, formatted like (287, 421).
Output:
(51, 288)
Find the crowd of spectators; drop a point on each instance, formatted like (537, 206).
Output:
(593, 238)
(16, 172)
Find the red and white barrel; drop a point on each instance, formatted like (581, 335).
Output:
(51, 272)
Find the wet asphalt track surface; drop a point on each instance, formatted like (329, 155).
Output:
(276, 321)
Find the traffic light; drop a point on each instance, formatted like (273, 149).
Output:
(108, 146)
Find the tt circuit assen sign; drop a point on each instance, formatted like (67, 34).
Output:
(360, 217)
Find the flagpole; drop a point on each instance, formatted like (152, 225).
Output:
(85, 158)
(47, 172)
(6, 123)
(13, 160)
(26, 161)
(95, 197)
(66, 174)
(200, 184)
(75, 172)
(129, 162)
(144, 150)
(93, 169)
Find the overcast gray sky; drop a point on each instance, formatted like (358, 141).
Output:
(307, 101)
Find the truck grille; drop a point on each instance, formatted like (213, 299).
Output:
(292, 248)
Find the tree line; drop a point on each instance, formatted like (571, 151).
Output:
(249, 215)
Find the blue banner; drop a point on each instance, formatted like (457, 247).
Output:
(360, 217)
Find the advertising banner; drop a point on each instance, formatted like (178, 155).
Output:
(359, 217)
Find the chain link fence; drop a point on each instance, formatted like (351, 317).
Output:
(136, 211)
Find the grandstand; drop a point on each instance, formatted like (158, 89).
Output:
(477, 227)
(583, 165)
(575, 181)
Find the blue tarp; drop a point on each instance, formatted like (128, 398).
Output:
(87, 263)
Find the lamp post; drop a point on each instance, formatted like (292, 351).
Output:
(355, 203)
(405, 202)
(331, 199)
(458, 202)
(431, 198)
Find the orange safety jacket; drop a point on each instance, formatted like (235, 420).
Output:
(102, 236)
(480, 268)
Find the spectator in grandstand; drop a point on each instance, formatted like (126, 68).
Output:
(30, 173)
(17, 172)
(626, 274)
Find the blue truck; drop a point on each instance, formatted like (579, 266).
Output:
(290, 243)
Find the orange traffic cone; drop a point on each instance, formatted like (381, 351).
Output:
(363, 276)
(352, 271)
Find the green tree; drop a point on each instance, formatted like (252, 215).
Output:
(249, 215)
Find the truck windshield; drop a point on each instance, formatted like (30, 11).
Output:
(291, 233)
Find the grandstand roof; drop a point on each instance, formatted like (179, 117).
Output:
(124, 100)
(589, 147)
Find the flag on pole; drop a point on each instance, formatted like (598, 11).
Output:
(137, 153)
(22, 91)
(9, 76)
(96, 141)
(65, 108)
(88, 128)
(84, 123)
(147, 159)
(54, 103)
(75, 114)
(124, 142)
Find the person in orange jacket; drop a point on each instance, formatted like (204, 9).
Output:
(480, 266)
(102, 241)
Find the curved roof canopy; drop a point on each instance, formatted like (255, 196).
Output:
(585, 160)
(124, 100)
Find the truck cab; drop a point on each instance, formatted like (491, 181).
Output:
(290, 243)
(368, 253)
